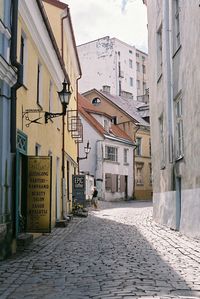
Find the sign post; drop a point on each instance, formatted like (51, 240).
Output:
(39, 194)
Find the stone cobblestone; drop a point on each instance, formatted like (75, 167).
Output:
(116, 252)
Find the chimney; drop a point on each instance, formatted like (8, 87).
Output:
(106, 88)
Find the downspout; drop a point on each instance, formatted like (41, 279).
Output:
(167, 60)
(19, 67)
(18, 84)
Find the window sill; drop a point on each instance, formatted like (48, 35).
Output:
(139, 184)
(110, 161)
(126, 164)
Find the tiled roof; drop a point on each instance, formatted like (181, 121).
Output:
(85, 109)
(128, 106)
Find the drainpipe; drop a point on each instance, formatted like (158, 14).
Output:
(168, 81)
(18, 84)
(19, 67)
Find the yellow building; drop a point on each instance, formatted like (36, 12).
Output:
(127, 116)
(39, 131)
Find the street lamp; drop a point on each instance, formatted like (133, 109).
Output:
(87, 149)
(64, 96)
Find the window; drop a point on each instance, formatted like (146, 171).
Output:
(50, 96)
(111, 153)
(137, 55)
(114, 120)
(120, 88)
(159, 52)
(131, 81)
(130, 51)
(131, 63)
(39, 85)
(23, 56)
(179, 127)
(162, 144)
(150, 174)
(144, 69)
(139, 146)
(125, 156)
(108, 182)
(150, 147)
(176, 25)
(139, 174)
(138, 84)
(144, 87)
(138, 66)
(96, 101)
(143, 58)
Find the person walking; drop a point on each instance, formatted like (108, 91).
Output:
(95, 198)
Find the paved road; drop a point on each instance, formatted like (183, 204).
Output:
(117, 252)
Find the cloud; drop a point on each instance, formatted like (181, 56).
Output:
(123, 19)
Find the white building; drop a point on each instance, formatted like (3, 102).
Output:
(110, 160)
(111, 62)
(174, 76)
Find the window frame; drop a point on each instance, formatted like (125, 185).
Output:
(109, 155)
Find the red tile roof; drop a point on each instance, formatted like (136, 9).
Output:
(85, 108)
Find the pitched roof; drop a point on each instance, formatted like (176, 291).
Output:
(86, 109)
(128, 106)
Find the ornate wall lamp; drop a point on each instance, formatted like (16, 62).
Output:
(87, 150)
(64, 96)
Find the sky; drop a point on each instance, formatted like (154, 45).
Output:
(123, 19)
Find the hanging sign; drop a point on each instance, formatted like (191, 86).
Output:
(39, 194)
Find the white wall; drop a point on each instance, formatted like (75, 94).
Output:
(99, 62)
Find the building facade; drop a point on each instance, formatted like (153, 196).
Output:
(126, 115)
(8, 80)
(111, 157)
(174, 104)
(115, 64)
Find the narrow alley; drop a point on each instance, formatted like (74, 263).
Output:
(116, 252)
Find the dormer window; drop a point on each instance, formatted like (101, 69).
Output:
(96, 101)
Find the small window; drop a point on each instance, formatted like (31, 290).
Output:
(130, 51)
(131, 63)
(138, 84)
(111, 153)
(144, 69)
(50, 96)
(143, 58)
(125, 156)
(114, 120)
(137, 55)
(131, 81)
(139, 146)
(96, 101)
(23, 56)
(139, 174)
(138, 66)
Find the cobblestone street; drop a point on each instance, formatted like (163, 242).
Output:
(116, 252)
